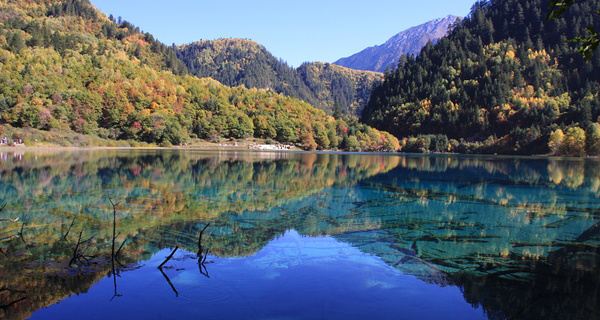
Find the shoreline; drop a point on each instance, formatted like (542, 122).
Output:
(216, 147)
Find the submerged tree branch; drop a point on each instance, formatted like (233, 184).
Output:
(200, 239)
(64, 237)
(76, 250)
(168, 257)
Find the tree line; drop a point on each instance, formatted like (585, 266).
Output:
(503, 81)
(67, 67)
(337, 90)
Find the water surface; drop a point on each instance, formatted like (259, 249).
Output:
(297, 236)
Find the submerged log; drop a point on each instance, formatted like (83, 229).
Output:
(77, 255)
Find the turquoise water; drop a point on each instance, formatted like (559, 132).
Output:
(297, 236)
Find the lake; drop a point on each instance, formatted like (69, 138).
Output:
(240, 235)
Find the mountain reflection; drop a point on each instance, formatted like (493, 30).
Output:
(519, 236)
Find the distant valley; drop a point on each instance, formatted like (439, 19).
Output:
(342, 88)
(234, 62)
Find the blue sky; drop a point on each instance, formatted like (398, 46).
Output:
(294, 30)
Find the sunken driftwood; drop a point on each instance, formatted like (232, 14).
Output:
(78, 256)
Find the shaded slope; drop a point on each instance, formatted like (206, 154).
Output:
(244, 62)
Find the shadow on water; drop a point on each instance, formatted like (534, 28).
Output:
(519, 237)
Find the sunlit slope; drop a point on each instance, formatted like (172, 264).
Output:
(65, 66)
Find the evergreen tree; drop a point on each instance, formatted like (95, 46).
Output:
(501, 82)
(16, 42)
(593, 139)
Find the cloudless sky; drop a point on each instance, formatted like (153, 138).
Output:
(294, 30)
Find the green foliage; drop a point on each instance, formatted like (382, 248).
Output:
(587, 43)
(15, 42)
(574, 142)
(559, 7)
(426, 143)
(76, 70)
(235, 62)
(505, 72)
(593, 139)
(73, 7)
(351, 144)
(308, 140)
(321, 137)
(264, 128)
(339, 90)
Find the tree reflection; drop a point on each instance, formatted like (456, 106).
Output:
(515, 234)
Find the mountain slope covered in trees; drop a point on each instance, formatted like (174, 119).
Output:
(340, 90)
(506, 80)
(244, 62)
(65, 66)
(409, 42)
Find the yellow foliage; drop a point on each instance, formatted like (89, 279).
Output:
(539, 54)
(510, 54)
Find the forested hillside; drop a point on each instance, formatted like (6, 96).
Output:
(244, 62)
(340, 90)
(504, 81)
(64, 66)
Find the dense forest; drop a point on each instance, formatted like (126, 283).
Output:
(508, 79)
(339, 90)
(64, 66)
(233, 62)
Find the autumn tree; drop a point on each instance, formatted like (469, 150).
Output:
(555, 142)
(574, 142)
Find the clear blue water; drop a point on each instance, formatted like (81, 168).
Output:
(297, 236)
(291, 277)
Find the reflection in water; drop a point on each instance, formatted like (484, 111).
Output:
(519, 237)
(291, 277)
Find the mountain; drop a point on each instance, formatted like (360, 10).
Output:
(409, 42)
(507, 80)
(66, 67)
(341, 90)
(237, 62)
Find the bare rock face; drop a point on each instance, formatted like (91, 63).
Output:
(383, 57)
